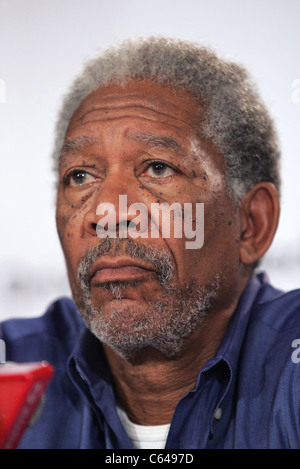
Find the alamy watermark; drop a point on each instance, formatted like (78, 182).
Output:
(2, 91)
(183, 221)
(2, 351)
(296, 353)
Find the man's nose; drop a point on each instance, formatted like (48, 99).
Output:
(116, 210)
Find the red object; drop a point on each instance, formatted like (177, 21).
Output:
(22, 387)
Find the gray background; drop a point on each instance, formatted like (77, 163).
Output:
(43, 44)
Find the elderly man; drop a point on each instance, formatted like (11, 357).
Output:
(177, 345)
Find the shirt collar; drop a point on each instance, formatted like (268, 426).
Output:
(231, 343)
(90, 372)
(225, 362)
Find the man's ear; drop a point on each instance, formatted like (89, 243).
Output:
(259, 220)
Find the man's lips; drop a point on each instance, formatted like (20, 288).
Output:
(120, 271)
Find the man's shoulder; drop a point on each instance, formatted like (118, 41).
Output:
(278, 309)
(273, 335)
(35, 338)
(60, 317)
(273, 328)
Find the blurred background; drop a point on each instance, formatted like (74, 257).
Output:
(43, 44)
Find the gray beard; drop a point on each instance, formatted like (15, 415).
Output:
(165, 325)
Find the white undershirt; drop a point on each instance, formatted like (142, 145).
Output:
(144, 436)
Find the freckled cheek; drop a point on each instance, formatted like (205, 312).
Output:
(221, 234)
(69, 226)
(69, 222)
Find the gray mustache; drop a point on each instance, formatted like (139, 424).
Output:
(160, 260)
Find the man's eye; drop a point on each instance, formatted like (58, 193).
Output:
(158, 169)
(78, 177)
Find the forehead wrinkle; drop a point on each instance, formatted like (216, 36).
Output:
(157, 141)
(109, 108)
(77, 145)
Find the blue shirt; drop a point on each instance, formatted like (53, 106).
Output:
(247, 396)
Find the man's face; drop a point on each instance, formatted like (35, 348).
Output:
(151, 291)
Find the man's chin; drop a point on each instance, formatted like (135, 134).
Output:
(132, 329)
(122, 313)
(130, 322)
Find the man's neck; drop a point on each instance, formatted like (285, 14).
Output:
(150, 388)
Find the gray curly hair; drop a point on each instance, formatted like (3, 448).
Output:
(233, 115)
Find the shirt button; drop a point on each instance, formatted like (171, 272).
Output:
(218, 414)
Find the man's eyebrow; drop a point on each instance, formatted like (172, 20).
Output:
(158, 141)
(76, 145)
